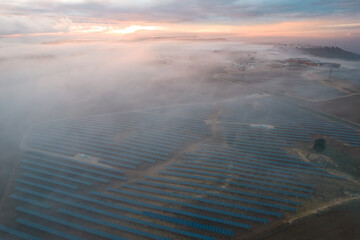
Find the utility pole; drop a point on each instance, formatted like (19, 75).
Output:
(330, 71)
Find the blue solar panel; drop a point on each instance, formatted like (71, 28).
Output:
(47, 229)
(189, 223)
(29, 201)
(56, 175)
(243, 164)
(274, 161)
(17, 233)
(49, 181)
(254, 173)
(152, 137)
(198, 207)
(237, 178)
(111, 225)
(58, 150)
(59, 161)
(116, 164)
(74, 148)
(258, 162)
(69, 224)
(98, 211)
(236, 184)
(270, 213)
(283, 154)
(224, 190)
(213, 219)
(216, 195)
(265, 148)
(269, 133)
(95, 141)
(47, 166)
(268, 136)
(164, 145)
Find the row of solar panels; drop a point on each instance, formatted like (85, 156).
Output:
(143, 120)
(286, 118)
(33, 195)
(254, 157)
(280, 156)
(125, 155)
(255, 162)
(44, 163)
(199, 111)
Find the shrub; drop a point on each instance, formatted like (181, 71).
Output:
(319, 145)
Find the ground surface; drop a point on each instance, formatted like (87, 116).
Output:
(341, 222)
(344, 107)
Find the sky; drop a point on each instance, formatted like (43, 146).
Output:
(262, 20)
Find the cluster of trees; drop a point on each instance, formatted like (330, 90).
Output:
(319, 145)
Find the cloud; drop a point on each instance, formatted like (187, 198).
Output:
(213, 11)
(44, 82)
(345, 25)
(15, 24)
(135, 28)
(237, 17)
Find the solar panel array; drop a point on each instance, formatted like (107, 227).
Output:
(196, 179)
(149, 137)
(289, 124)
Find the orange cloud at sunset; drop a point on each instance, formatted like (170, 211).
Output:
(315, 29)
(258, 20)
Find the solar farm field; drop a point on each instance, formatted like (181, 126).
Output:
(223, 170)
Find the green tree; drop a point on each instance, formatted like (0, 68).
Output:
(319, 145)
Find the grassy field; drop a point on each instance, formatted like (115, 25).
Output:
(341, 222)
(347, 163)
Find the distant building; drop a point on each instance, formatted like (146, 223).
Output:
(312, 63)
(303, 61)
(330, 65)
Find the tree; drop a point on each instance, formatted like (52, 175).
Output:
(319, 145)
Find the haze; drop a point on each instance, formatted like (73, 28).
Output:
(207, 119)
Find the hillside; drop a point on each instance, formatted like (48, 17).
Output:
(330, 52)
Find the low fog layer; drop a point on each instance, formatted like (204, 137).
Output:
(41, 82)
(58, 81)
(51, 80)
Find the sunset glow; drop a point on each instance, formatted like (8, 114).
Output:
(239, 18)
(134, 28)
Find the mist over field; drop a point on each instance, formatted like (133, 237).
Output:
(48, 80)
(180, 120)
(74, 79)
(93, 76)
(43, 82)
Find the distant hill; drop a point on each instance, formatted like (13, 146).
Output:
(330, 52)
